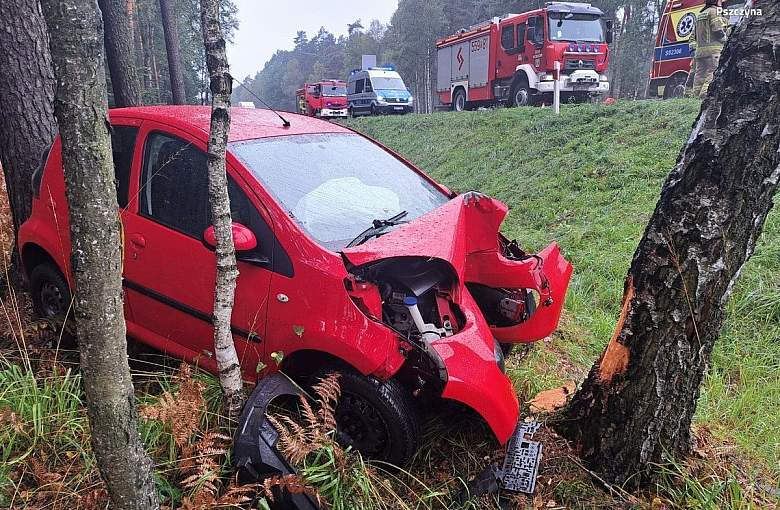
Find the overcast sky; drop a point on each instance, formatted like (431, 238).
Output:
(270, 25)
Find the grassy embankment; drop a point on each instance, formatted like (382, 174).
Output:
(589, 180)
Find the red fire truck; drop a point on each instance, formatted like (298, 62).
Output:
(512, 59)
(326, 99)
(672, 57)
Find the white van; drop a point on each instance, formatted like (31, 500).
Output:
(377, 90)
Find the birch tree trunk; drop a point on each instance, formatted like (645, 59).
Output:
(120, 52)
(221, 84)
(26, 100)
(178, 95)
(75, 29)
(640, 397)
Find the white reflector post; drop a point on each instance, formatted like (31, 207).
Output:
(557, 87)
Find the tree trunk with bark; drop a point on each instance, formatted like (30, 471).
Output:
(75, 29)
(221, 84)
(26, 100)
(638, 401)
(178, 95)
(120, 53)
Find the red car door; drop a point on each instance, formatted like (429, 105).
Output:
(169, 272)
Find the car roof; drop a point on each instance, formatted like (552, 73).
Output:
(245, 123)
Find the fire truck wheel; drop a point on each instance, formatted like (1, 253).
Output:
(521, 94)
(459, 100)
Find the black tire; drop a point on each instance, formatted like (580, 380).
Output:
(50, 292)
(376, 418)
(675, 86)
(521, 94)
(459, 100)
(373, 110)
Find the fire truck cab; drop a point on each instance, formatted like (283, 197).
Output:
(326, 99)
(512, 59)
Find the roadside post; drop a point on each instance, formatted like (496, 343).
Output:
(557, 87)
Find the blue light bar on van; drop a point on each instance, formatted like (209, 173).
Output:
(386, 67)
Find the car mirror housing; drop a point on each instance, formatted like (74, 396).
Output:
(243, 238)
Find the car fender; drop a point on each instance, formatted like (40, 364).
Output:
(547, 273)
(40, 233)
(474, 377)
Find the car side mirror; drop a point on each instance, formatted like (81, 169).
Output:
(609, 36)
(243, 238)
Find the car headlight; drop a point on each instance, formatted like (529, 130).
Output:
(545, 77)
(411, 99)
(380, 98)
(499, 354)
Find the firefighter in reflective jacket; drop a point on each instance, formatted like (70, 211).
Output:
(707, 40)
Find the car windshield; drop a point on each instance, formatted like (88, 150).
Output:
(334, 91)
(335, 185)
(384, 83)
(578, 27)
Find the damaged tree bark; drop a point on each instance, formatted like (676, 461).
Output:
(640, 397)
(221, 84)
(76, 41)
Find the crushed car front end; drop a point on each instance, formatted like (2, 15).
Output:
(454, 289)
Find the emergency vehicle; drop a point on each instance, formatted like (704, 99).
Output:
(326, 98)
(672, 57)
(511, 59)
(378, 90)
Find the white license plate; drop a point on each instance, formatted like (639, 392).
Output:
(398, 107)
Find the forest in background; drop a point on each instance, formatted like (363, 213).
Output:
(149, 48)
(408, 43)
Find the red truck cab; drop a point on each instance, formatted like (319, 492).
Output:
(512, 59)
(326, 99)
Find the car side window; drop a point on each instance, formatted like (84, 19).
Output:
(123, 147)
(174, 192)
(359, 86)
(174, 184)
(508, 37)
(368, 87)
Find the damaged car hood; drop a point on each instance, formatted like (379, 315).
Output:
(467, 224)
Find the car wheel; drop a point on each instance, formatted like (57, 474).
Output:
(50, 292)
(376, 418)
(459, 100)
(521, 94)
(373, 109)
(675, 86)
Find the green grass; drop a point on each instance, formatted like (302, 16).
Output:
(589, 179)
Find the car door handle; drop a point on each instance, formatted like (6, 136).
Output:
(138, 240)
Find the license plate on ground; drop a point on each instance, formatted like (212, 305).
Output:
(521, 464)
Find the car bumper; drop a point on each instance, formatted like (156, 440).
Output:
(600, 87)
(327, 112)
(547, 274)
(473, 375)
(394, 108)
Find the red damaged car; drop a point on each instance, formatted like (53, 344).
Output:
(350, 259)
